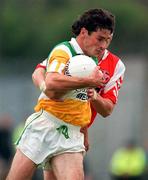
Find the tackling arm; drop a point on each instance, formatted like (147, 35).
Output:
(105, 101)
(103, 106)
(38, 77)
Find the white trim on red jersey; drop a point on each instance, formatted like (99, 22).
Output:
(113, 68)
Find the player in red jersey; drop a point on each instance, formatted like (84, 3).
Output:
(113, 72)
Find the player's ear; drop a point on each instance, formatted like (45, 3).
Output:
(84, 31)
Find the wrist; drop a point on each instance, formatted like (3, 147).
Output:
(95, 95)
(42, 86)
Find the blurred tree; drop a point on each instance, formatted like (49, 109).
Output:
(30, 28)
(145, 2)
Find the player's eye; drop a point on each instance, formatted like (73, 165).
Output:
(100, 39)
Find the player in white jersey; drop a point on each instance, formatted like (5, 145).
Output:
(113, 70)
(52, 134)
(38, 78)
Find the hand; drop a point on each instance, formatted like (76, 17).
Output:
(86, 144)
(92, 94)
(84, 130)
(97, 77)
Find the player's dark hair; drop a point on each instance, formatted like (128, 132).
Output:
(94, 19)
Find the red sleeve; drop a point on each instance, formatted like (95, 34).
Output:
(40, 66)
(112, 93)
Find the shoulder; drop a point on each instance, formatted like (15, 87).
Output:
(116, 60)
(61, 49)
(111, 65)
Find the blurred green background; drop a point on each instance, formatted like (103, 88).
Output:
(28, 31)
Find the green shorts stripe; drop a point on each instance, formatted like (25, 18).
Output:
(26, 126)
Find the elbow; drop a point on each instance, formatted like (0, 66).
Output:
(34, 78)
(50, 94)
(108, 110)
(50, 85)
(50, 82)
(107, 113)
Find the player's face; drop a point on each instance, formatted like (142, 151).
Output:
(95, 43)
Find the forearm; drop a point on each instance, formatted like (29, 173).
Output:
(102, 105)
(38, 77)
(84, 130)
(58, 82)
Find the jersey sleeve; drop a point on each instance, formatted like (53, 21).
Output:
(111, 89)
(42, 64)
(58, 59)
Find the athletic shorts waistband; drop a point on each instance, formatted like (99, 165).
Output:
(58, 121)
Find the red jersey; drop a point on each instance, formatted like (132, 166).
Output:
(113, 70)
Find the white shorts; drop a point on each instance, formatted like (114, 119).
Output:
(45, 136)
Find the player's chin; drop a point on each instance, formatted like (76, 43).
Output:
(94, 55)
(99, 53)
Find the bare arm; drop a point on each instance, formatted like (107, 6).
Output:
(38, 77)
(60, 82)
(103, 106)
(84, 130)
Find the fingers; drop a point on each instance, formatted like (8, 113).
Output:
(86, 147)
(92, 94)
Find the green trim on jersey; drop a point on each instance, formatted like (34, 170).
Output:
(66, 43)
(72, 50)
(95, 59)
